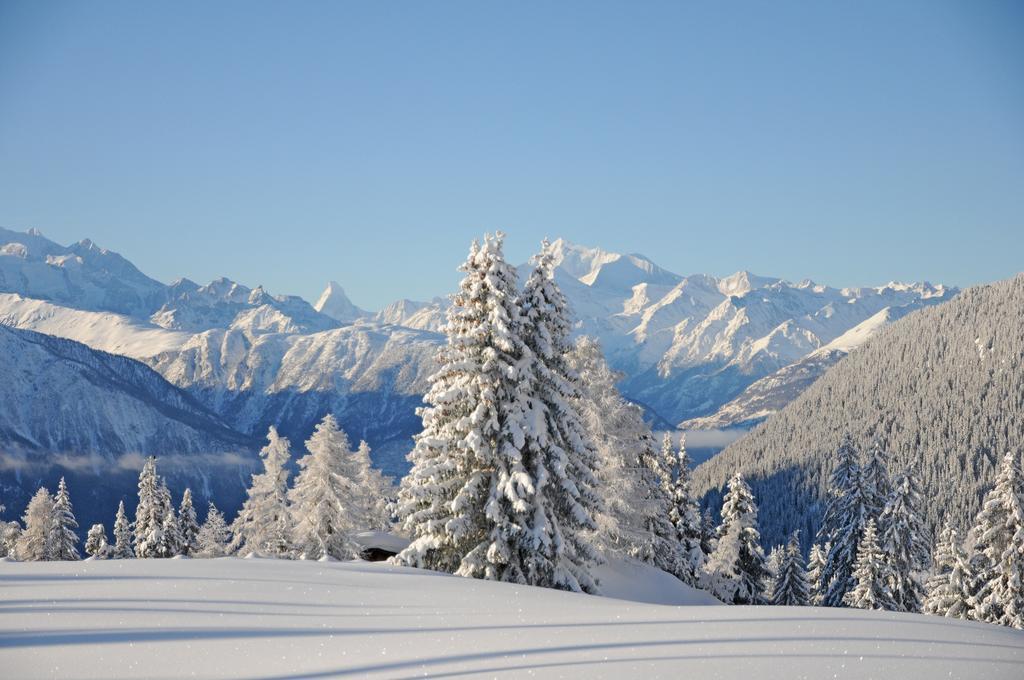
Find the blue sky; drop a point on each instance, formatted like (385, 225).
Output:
(291, 143)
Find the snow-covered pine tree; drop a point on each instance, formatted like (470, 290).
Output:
(904, 543)
(878, 486)
(708, 533)
(9, 533)
(736, 566)
(122, 535)
(790, 588)
(214, 536)
(330, 501)
(946, 589)
(559, 453)
(871, 573)
(850, 506)
(685, 515)
(772, 564)
(35, 542)
(998, 549)
(634, 520)
(379, 492)
(815, 569)
(63, 539)
(468, 499)
(96, 542)
(187, 524)
(170, 542)
(263, 525)
(149, 514)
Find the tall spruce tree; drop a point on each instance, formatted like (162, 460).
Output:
(947, 586)
(330, 500)
(772, 564)
(904, 543)
(737, 566)
(871, 574)
(998, 551)
(263, 525)
(708, 533)
(877, 485)
(467, 500)
(790, 588)
(122, 535)
(169, 541)
(850, 505)
(685, 513)
(63, 539)
(815, 570)
(150, 512)
(559, 453)
(188, 524)
(634, 518)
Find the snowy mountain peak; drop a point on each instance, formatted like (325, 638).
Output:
(334, 303)
(599, 268)
(742, 282)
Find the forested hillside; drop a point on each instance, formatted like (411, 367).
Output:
(943, 391)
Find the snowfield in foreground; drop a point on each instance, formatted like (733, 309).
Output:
(232, 618)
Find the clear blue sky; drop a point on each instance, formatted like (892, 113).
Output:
(291, 143)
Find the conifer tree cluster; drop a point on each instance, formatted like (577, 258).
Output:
(49, 527)
(895, 555)
(336, 495)
(530, 464)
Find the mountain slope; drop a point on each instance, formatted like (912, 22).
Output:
(943, 389)
(69, 409)
(772, 392)
(372, 377)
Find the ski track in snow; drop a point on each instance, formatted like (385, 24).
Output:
(231, 618)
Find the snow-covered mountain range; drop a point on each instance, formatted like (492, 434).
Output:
(710, 351)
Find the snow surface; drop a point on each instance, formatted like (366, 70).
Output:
(230, 618)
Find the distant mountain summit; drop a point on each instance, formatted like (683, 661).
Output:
(334, 303)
